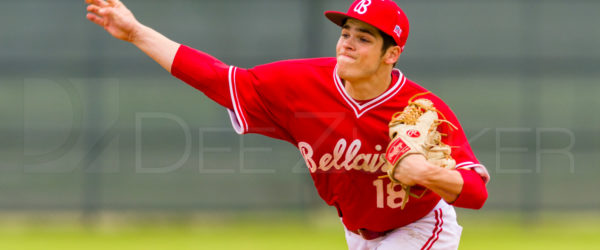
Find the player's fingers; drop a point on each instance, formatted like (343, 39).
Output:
(95, 19)
(94, 9)
(103, 12)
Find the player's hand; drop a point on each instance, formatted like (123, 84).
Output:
(412, 169)
(114, 17)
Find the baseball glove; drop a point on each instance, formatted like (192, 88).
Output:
(414, 131)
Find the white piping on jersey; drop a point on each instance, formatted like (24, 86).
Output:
(480, 169)
(239, 124)
(359, 109)
(460, 165)
(234, 122)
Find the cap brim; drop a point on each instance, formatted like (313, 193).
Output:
(336, 17)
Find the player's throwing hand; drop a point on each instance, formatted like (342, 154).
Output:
(114, 17)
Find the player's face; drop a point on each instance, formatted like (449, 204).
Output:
(358, 50)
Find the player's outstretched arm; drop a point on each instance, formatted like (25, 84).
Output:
(118, 21)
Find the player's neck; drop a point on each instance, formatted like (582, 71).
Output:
(368, 88)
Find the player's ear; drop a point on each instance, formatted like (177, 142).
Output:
(392, 54)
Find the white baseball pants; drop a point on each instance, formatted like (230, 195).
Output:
(437, 230)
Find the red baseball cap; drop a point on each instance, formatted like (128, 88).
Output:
(382, 14)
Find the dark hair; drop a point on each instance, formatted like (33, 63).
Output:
(388, 41)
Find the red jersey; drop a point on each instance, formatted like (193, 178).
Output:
(343, 141)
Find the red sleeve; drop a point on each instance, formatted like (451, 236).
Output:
(255, 98)
(474, 193)
(204, 73)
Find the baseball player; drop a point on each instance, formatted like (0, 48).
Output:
(336, 112)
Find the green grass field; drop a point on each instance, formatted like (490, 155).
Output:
(279, 231)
